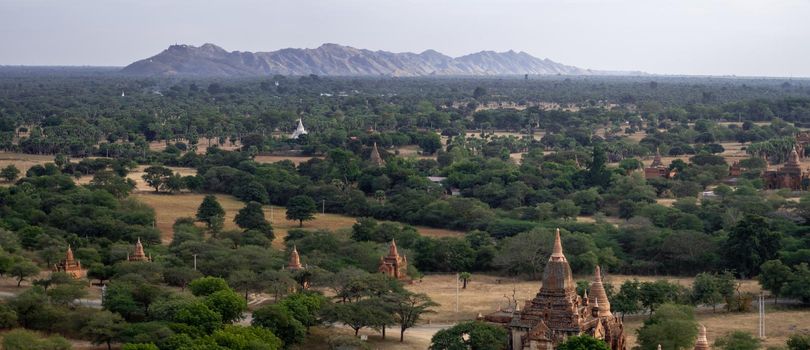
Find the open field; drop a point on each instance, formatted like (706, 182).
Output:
(23, 161)
(272, 159)
(169, 208)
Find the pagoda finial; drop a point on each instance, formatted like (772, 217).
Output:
(295, 260)
(69, 254)
(392, 249)
(597, 274)
(557, 252)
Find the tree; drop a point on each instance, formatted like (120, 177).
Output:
(118, 186)
(280, 321)
(251, 217)
(301, 208)
(474, 335)
(773, 276)
(245, 280)
(408, 308)
(598, 175)
(208, 285)
(464, 277)
(228, 304)
(583, 342)
(156, 176)
(21, 339)
(628, 299)
(738, 340)
(10, 173)
(706, 290)
(103, 328)
(566, 209)
(796, 287)
(22, 270)
(750, 243)
(357, 315)
(479, 92)
(653, 294)
(798, 342)
(211, 213)
(672, 326)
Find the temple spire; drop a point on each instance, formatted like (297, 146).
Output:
(557, 252)
(375, 157)
(69, 254)
(295, 260)
(702, 343)
(392, 249)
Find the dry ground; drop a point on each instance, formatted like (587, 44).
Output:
(169, 208)
(273, 159)
(23, 161)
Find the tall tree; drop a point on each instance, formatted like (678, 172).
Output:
(156, 176)
(471, 335)
(750, 243)
(251, 217)
(583, 342)
(408, 308)
(301, 208)
(103, 328)
(673, 327)
(211, 213)
(773, 276)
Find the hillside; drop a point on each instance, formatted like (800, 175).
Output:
(338, 60)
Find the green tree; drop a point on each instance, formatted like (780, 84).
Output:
(10, 173)
(358, 315)
(280, 321)
(251, 217)
(583, 342)
(301, 208)
(22, 270)
(140, 346)
(118, 186)
(598, 175)
(773, 276)
(205, 286)
(798, 341)
(672, 326)
(471, 335)
(796, 287)
(228, 304)
(653, 294)
(750, 243)
(156, 176)
(211, 213)
(103, 328)
(464, 277)
(706, 290)
(21, 339)
(628, 299)
(738, 340)
(408, 308)
(566, 209)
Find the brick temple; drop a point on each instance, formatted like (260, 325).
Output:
(788, 176)
(70, 266)
(139, 254)
(394, 265)
(557, 311)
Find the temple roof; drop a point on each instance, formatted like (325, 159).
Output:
(69, 255)
(392, 249)
(299, 130)
(557, 274)
(598, 296)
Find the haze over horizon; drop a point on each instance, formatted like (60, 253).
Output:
(714, 37)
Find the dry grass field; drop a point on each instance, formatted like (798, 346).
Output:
(137, 176)
(23, 161)
(273, 159)
(169, 208)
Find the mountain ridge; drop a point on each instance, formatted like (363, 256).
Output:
(332, 59)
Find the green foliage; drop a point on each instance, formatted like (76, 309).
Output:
(301, 208)
(228, 304)
(281, 322)
(798, 342)
(140, 346)
(251, 217)
(672, 326)
(20, 339)
(774, 276)
(751, 243)
(211, 213)
(10, 173)
(738, 340)
(470, 335)
(583, 342)
(206, 286)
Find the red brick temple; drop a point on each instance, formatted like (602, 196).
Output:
(70, 266)
(394, 265)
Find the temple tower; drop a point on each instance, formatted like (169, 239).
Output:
(139, 254)
(394, 265)
(295, 261)
(702, 343)
(70, 265)
(375, 157)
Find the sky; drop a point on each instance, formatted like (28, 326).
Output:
(692, 37)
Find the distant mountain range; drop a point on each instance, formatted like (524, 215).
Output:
(338, 60)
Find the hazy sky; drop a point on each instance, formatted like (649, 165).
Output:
(741, 37)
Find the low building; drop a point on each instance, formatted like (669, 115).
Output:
(70, 266)
(789, 176)
(657, 169)
(394, 265)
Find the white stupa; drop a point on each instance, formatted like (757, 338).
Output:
(299, 130)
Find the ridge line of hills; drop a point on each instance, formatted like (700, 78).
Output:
(338, 60)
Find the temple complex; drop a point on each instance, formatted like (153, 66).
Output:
(802, 142)
(139, 254)
(70, 266)
(295, 261)
(394, 265)
(788, 176)
(375, 157)
(657, 168)
(557, 311)
(299, 130)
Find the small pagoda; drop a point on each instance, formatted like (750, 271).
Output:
(702, 342)
(375, 157)
(295, 261)
(393, 265)
(70, 266)
(299, 130)
(657, 169)
(139, 254)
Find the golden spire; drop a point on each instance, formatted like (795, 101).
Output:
(557, 252)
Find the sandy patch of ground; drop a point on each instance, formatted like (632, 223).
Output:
(24, 161)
